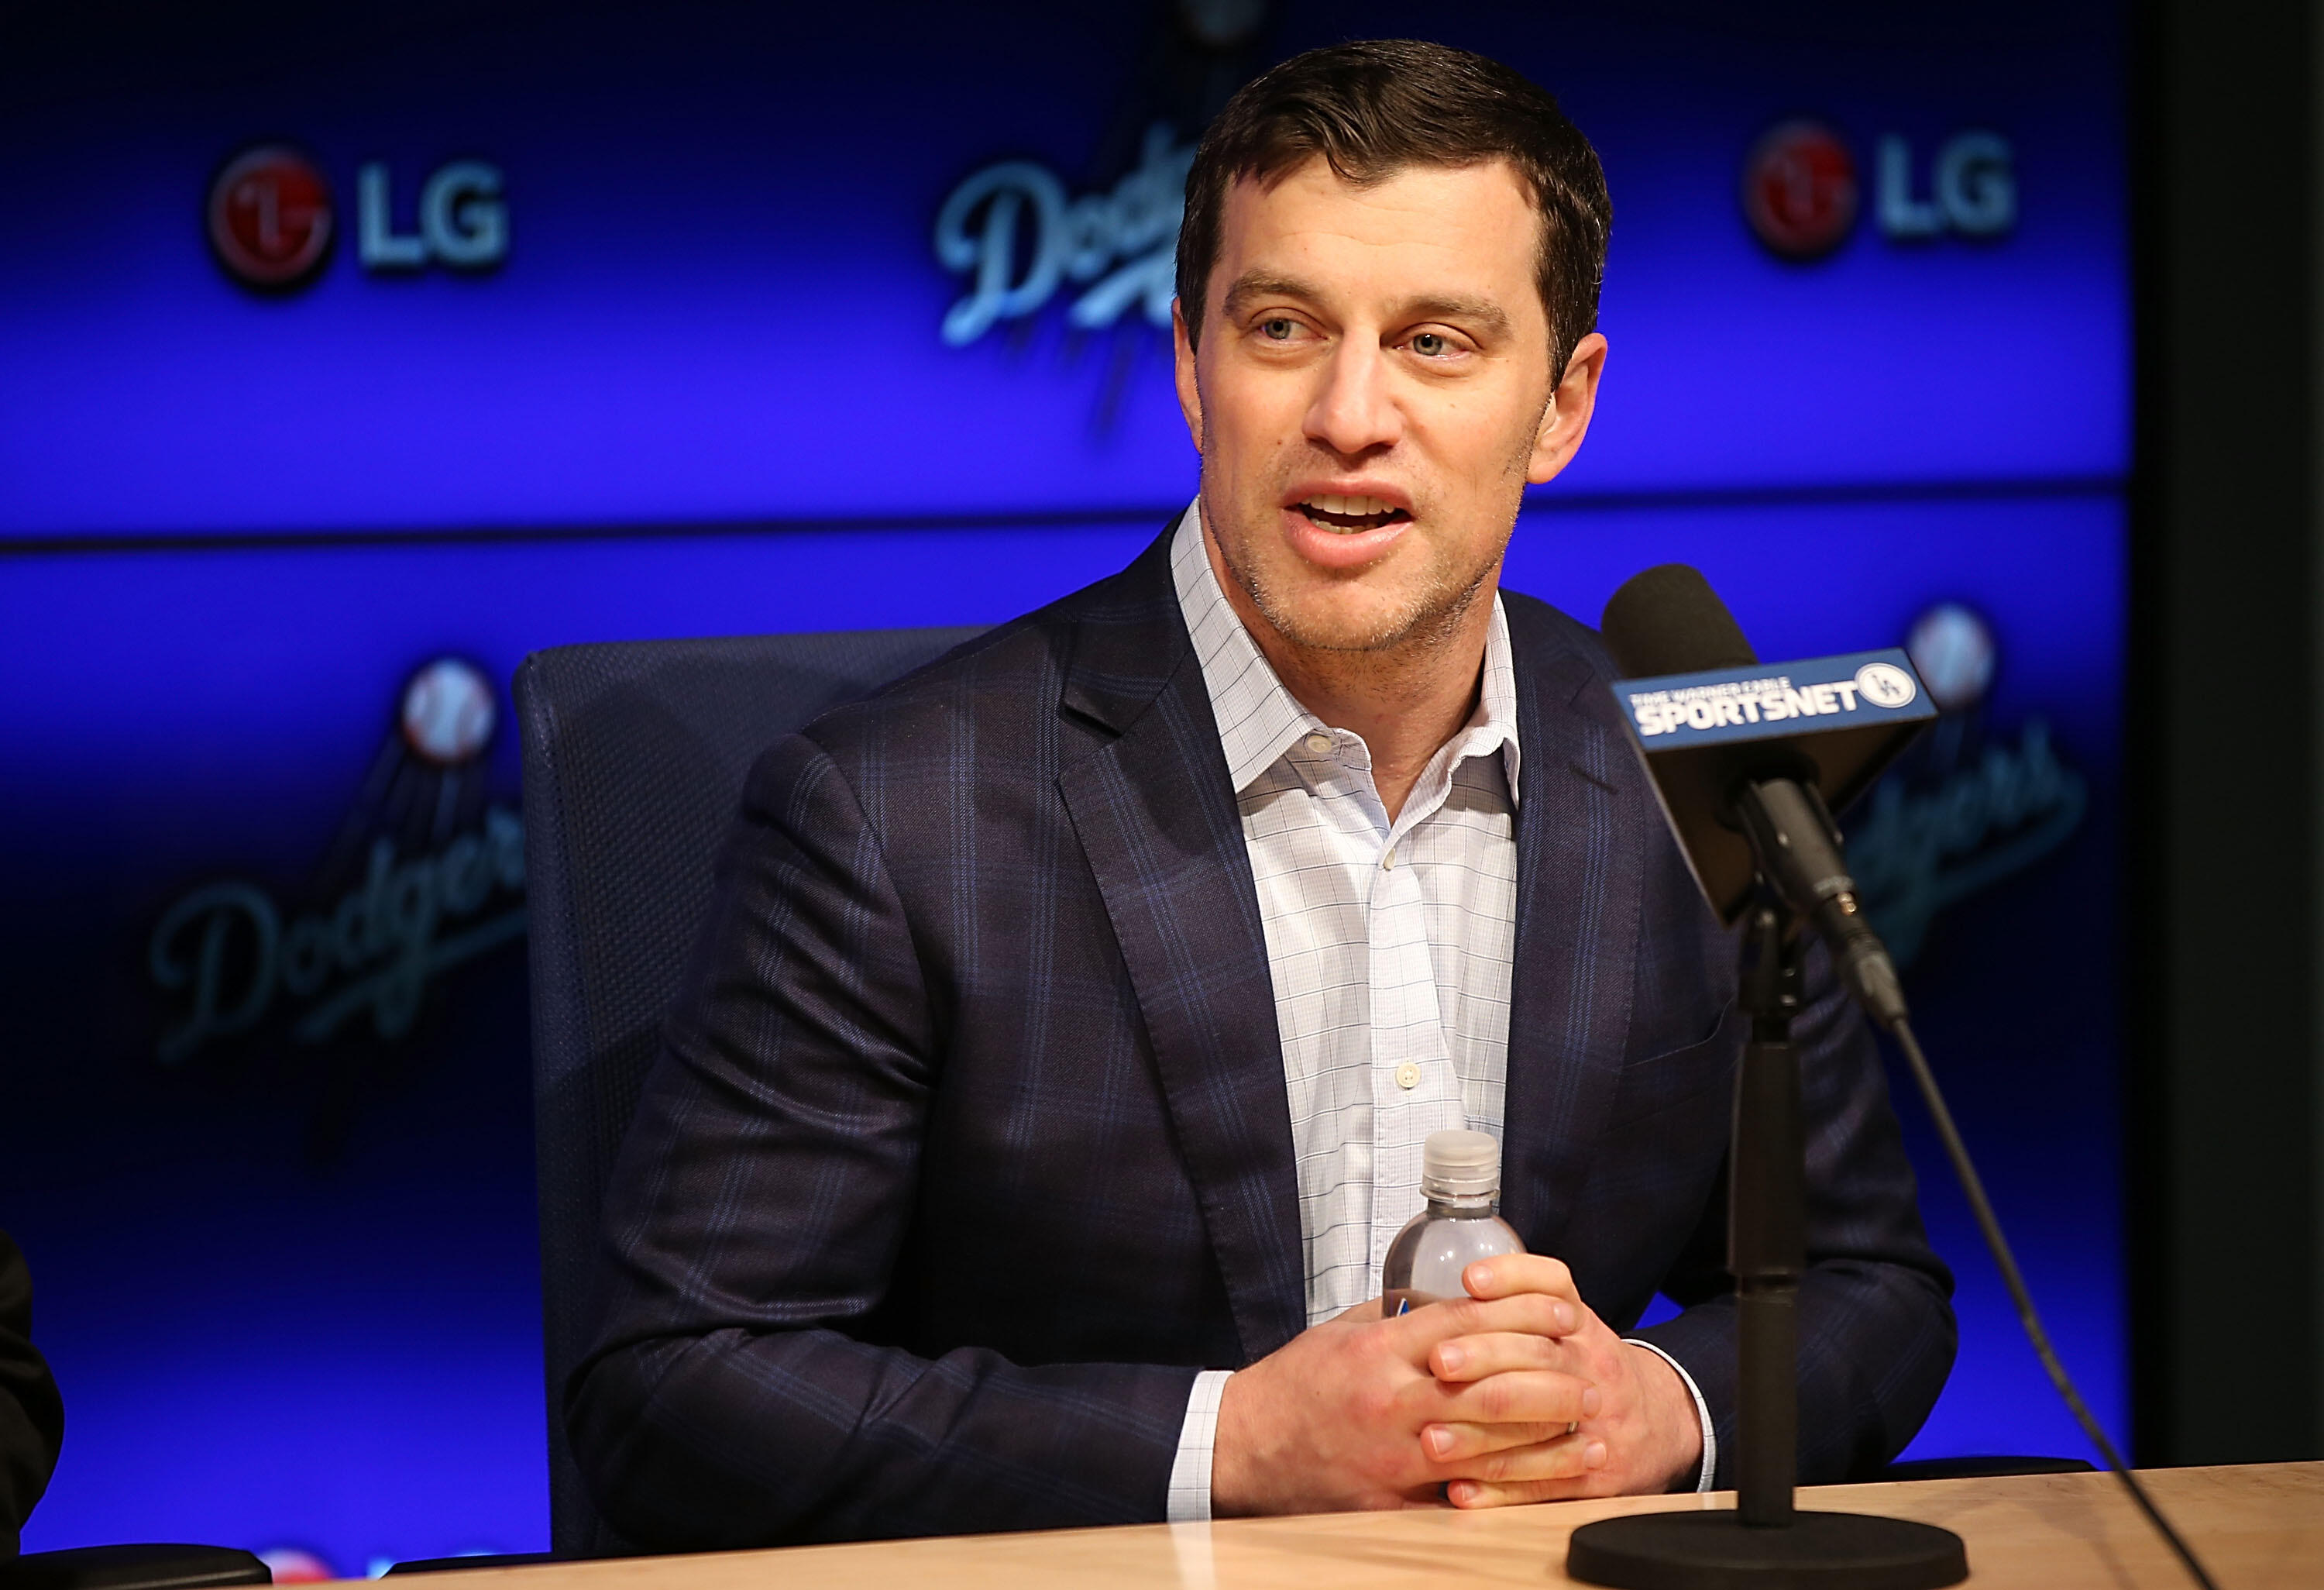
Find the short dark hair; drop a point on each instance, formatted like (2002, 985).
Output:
(1373, 109)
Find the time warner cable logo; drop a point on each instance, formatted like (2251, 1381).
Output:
(1738, 703)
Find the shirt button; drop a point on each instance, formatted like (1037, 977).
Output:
(1388, 860)
(1320, 744)
(1407, 1077)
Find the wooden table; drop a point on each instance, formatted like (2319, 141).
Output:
(2255, 1527)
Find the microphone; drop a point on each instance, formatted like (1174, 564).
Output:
(1744, 755)
(1749, 761)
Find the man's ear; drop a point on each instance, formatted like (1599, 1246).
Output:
(1190, 395)
(1566, 420)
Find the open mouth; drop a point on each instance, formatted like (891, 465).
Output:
(1345, 515)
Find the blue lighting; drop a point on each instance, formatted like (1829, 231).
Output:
(291, 1291)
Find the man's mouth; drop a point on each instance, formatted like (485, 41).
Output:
(1345, 515)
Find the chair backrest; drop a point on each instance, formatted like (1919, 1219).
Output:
(634, 758)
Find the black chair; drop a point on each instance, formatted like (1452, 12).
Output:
(634, 758)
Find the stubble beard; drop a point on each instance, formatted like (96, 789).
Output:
(1424, 622)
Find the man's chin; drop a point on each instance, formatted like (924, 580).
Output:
(1389, 606)
(1338, 626)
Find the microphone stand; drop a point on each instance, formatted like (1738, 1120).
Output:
(1764, 1541)
(1766, 1216)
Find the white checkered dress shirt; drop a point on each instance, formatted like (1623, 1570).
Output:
(1389, 945)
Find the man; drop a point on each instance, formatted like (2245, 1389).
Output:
(32, 1417)
(1055, 1068)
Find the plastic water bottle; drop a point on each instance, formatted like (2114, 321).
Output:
(1460, 1176)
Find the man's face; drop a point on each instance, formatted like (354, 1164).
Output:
(1372, 394)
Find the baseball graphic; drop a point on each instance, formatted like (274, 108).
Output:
(449, 712)
(1953, 650)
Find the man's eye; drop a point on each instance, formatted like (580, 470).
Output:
(1277, 329)
(1428, 345)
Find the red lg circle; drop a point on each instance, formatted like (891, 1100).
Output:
(270, 217)
(1799, 190)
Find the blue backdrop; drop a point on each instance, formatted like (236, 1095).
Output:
(287, 1275)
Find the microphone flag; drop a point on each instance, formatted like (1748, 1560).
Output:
(1832, 722)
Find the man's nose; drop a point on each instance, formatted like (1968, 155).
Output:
(1354, 411)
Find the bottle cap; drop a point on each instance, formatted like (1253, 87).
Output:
(1460, 1164)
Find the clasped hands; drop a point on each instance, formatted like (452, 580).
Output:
(1517, 1392)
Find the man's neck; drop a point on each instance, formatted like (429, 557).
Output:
(1405, 701)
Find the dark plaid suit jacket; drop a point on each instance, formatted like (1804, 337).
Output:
(970, 1145)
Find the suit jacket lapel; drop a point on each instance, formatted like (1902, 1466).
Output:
(1156, 817)
(1578, 891)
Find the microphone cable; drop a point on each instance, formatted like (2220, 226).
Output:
(2011, 1277)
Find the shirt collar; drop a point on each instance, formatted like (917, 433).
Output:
(1259, 719)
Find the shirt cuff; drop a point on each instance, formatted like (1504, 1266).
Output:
(1701, 1411)
(1190, 1471)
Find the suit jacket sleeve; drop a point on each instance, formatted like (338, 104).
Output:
(32, 1417)
(1875, 1320)
(753, 1381)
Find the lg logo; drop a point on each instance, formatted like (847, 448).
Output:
(463, 220)
(1800, 189)
(1972, 189)
(271, 220)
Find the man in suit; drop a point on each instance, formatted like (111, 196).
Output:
(1056, 1063)
(32, 1417)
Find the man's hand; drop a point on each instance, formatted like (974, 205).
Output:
(1469, 1401)
(1335, 1418)
(1643, 1436)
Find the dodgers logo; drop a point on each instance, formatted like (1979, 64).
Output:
(1012, 232)
(429, 874)
(1966, 809)
(1883, 684)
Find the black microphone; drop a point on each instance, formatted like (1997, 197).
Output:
(1745, 795)
(1749, 761)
